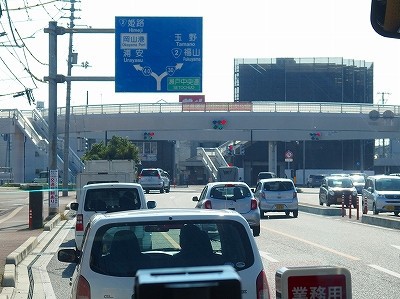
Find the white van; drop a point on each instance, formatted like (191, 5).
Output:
(107, 197)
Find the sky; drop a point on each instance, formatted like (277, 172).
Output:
(251, 29)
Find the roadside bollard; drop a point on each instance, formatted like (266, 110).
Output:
(343, 213)
(350, 206)
(358, 208)
(365, 206)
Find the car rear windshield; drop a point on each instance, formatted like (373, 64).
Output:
(358, 179)
(122, 249)
(278, 186)
(112, 199)
(230, 192)
(149, 172)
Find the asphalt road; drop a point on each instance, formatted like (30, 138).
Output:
(370, 253)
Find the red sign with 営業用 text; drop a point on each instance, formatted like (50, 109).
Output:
(317, 286)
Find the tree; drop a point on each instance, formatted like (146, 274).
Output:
(118, 148)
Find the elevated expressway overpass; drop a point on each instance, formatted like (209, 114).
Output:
(244, 121)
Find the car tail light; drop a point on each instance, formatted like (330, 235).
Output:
(83, 288)
(207, 204)
(254, 204)
(262, 286)
(79, 222)
(294, 194)
(263, 195)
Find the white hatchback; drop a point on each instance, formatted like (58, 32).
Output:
(277, 195)
(111, 254)
(236, 196)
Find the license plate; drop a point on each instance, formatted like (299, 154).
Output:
(339, 200)
(389, 208)
(279, 207)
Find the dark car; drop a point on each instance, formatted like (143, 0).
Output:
(335, 189)
(358, 182)
(265, 175)
(315, 180)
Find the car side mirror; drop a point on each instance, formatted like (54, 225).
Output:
(195, 198)
(370, 189)
(385, 17)
(74, 206)
(151, 204)
(68, 255)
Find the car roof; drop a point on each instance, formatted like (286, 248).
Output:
(164, 214)
(380, 176)
(112, 185)
(213, 184)
(336, 177)
(276, 180)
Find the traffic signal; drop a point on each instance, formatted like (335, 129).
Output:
(148, 135)
(230, 150)
(86, 143)
(241, 149)
(315, 135)
(219, 124)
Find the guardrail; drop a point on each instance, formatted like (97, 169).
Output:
(255, 106)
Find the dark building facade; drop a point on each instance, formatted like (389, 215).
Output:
(304, 80)
(334, 80)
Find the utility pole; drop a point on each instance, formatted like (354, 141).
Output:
(68, 103)
(383, 140)
(53, 78)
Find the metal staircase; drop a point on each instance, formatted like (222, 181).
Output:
(36, 128)
(213, 158)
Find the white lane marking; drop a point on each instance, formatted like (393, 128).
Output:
(396, 246)
(12, 214)
(267, 257)
(315, 245)
(395, 274)
(39, 268)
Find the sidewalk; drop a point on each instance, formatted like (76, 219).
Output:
(17, 240)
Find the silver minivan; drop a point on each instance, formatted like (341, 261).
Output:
(382, 193)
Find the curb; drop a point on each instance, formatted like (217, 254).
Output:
(18, 255)
(380, 221)
(320, 210)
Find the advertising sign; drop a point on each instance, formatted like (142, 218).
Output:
(158, 54)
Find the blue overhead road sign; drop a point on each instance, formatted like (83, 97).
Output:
(158, 54)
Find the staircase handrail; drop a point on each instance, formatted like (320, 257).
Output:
(207, 162)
